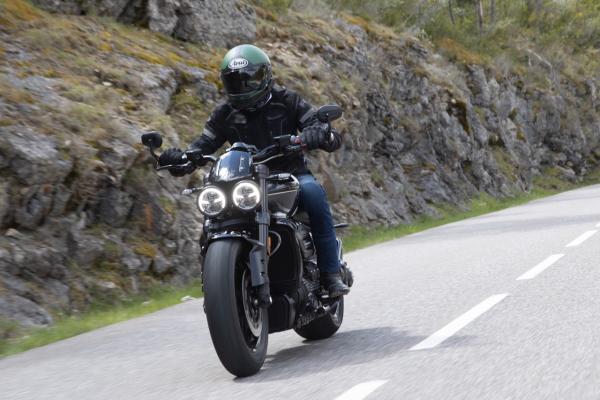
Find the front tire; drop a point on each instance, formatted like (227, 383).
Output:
(238, 328)
(324, 326)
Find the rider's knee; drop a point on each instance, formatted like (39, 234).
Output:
(313, 193)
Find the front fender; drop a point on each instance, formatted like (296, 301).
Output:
(255, 256)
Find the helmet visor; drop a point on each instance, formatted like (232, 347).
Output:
(244, 81)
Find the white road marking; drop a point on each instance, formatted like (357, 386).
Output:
(360, 391)
(582, 238)
(533, 272)
(459, 323)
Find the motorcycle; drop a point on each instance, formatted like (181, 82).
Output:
(259, 270)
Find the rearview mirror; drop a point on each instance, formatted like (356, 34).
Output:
(329, 113)
(152, 140)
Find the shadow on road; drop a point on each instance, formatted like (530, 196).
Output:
(344, 348)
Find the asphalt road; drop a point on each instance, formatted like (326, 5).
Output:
(503, 306)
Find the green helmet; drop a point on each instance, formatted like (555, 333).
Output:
(246, 76)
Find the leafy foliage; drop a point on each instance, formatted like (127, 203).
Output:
(565, 31)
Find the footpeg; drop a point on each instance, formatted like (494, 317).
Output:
(348, 276)
(323, 310)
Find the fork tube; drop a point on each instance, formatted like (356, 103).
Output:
(260, 253)
(263, 231)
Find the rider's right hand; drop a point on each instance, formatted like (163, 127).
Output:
(313, 137)
(174, 156)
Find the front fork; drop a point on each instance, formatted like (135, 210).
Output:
(259, 257)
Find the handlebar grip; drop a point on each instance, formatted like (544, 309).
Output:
(197, 158)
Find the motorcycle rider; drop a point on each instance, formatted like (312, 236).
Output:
(256, 110)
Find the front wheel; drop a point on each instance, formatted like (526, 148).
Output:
(238, 327)
(325, 326)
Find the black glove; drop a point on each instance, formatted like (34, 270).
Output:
(315, 136)
(174, 157)
(171, 156)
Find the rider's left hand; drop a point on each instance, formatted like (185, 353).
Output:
(174, 156)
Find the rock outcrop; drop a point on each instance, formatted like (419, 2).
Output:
(84, 217)
(219, 23)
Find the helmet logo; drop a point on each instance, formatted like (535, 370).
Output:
(238, 63)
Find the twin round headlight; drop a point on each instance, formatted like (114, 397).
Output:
(245, 196)
(212, 201)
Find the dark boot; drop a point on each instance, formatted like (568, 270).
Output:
(332, 282)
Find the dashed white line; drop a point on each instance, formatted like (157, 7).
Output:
(361, 390)
(533, 272)
(582, 238)
(459, 323)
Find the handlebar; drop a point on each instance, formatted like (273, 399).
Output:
(283, 145)
(194, 157)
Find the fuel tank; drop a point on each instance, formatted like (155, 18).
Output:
(283, 196)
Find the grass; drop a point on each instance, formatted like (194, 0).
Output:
(360, 236)
(13, 340)
(14, 11)
(273, 6)
(14, 95)
(458, 53)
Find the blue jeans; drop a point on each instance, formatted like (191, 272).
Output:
(313, 200)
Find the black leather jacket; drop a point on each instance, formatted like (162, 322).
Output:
(285, 114)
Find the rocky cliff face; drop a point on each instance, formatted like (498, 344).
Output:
(84, 218)
(421, 131)
(219, 23)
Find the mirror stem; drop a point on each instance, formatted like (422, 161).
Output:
(154, 155)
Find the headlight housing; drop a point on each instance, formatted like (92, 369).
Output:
(212, 201)
(246, 195)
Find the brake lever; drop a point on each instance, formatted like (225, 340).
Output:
(295, 144)
(163, 167)
(295, 148)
